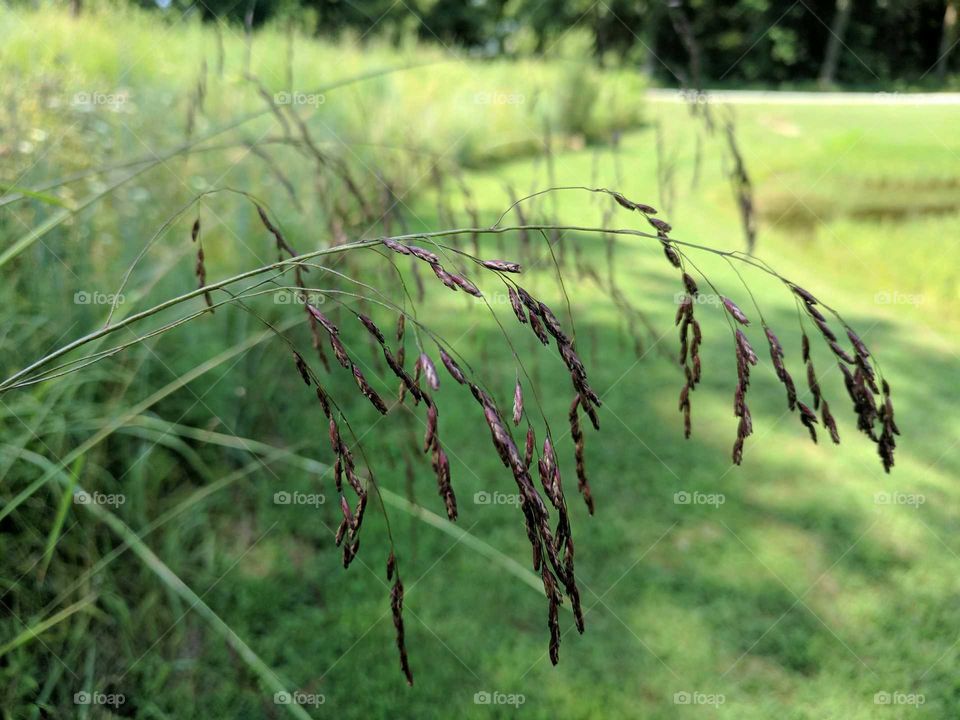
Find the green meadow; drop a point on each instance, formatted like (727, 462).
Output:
(805, 583)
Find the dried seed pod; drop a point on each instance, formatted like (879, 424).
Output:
(806, 347)
(301, 367)
(339, 350)
(661, 227)
(195, 230)
(553, 325)
(502, 266)
(583, 485)
(531, 444)
(813, 384)
(690, 284)
(323, 320)
(538, 330)
(829, 422)
(744, 345)
(391, 565)
(396, 607)
(429, 371)
(369, 392)
(517, 403)
(825, 329)
(324, 402)
(684, 310)
(735, 311)
(809, 418)
(395, 246)
(803, 294)
(841, 353)
(672, 255)
(516, 305)
(630, 204)
(430, 436)
(423, 254)
(452, 367)
(372, 327)
(467, 286)
(445, 277)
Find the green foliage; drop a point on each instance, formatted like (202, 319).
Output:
(799, 596)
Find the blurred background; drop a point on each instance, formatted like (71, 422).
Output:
(167, 502)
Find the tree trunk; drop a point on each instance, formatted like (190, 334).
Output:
(838, 29)
(947, 39)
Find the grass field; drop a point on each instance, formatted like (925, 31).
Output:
(812, 585)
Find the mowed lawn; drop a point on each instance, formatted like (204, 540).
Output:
(804, 584)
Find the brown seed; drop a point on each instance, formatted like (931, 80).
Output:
(430, 436)
(858, 343)
(445, 277)
(803, 294)
(502, 266)
(396, 607)
(301, 367)
(372, 327)
(538, 330)
(660, 225)
(829, 422)
(429, 371)
(735, 311)
(452, 367)
(369, 392)
(517, 403)
(467, 286)
(517, 307)
(423, 254)
(395, 246)
(672, 255)
(744, 344)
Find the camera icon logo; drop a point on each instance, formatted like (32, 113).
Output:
(681, 498)
(281, 498)
(481, 698)
(282, 698)
(681, 698)
(81, 698)
(482, 497)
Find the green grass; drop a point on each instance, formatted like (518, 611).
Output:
(799, 596)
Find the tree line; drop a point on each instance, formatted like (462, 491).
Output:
(686, 42)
